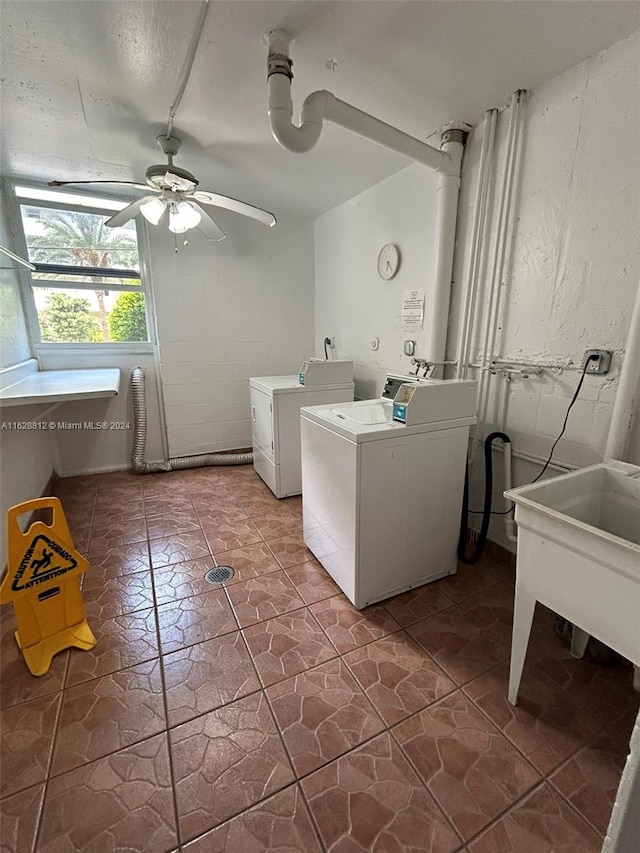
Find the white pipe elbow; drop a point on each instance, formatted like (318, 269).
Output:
(298, 139)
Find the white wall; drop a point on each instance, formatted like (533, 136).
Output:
(353, 304)
(14, 344)
(26, 458)
(633, 453)
(86, 451)
(576, 261)
(227, 311)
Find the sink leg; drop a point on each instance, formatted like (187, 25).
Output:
(525, 605)
(579, 642)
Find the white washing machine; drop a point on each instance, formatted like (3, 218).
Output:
(382, 497)
(275, 419)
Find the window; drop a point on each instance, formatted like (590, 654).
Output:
(86, 286)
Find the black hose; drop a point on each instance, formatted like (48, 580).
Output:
(486, 509)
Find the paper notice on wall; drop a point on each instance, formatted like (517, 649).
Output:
(413, 309)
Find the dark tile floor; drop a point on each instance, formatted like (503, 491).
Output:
(269, 714)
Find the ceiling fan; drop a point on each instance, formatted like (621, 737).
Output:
(177, 201)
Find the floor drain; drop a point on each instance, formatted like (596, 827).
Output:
(219, 574)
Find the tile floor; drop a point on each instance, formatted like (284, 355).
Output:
(269, 714)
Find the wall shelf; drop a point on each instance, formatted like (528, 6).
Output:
(24, 385)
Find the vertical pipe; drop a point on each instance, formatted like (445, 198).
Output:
(486, 356)
(628, 395)
(504, 234)
(446, 215)
(320, 106)
(477, 235)
(509, 222)
(509, 523)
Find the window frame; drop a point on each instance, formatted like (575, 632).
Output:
(28, 284)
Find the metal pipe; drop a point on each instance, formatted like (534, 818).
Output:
(505, 226)
(540, 365)
(509, 521)
(17, 258)
(177, 463)
(477, 241)
(191, 55)
(627, 402)
(505, 400)
(535, 458)
(487, 357)
(446, 216)
(506, 232)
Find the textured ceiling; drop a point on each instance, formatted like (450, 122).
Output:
(87, 84)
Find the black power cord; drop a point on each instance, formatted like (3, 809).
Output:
(327, 342)
(487, 512)
(566, 417)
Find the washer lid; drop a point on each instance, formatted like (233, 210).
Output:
(371, 420)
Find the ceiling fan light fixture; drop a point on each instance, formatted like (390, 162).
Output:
(182, 217)
(153, 210)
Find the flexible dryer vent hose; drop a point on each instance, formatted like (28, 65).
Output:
(179, 463)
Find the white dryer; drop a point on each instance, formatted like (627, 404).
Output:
(275, 421)
(382, 497)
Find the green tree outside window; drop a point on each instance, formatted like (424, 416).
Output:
(68, 319)
(127, 319)
(82, 239)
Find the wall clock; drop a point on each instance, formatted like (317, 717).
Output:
(388, 261)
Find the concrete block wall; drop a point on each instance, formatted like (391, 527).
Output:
(576, 263)
(576, 260)
(26, 457)
(225, 312)
(353, 304)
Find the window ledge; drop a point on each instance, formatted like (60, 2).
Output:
(23, 384)
(98, 349)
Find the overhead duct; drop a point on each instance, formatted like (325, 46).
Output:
(323, 106)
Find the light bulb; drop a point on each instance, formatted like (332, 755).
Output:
(183, 216)
(153, 210)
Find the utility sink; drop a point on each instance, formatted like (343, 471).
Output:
(579, 554)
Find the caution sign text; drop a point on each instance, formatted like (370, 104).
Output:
(44, 560)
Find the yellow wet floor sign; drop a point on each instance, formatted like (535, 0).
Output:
(43, 583)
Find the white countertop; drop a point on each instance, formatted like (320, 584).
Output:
(56, 386)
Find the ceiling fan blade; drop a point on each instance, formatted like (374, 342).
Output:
(233, 204)
(111, 183)
(209, 227)
(128, 212)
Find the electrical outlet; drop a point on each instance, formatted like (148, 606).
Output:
(599, 361)
(330, 341)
